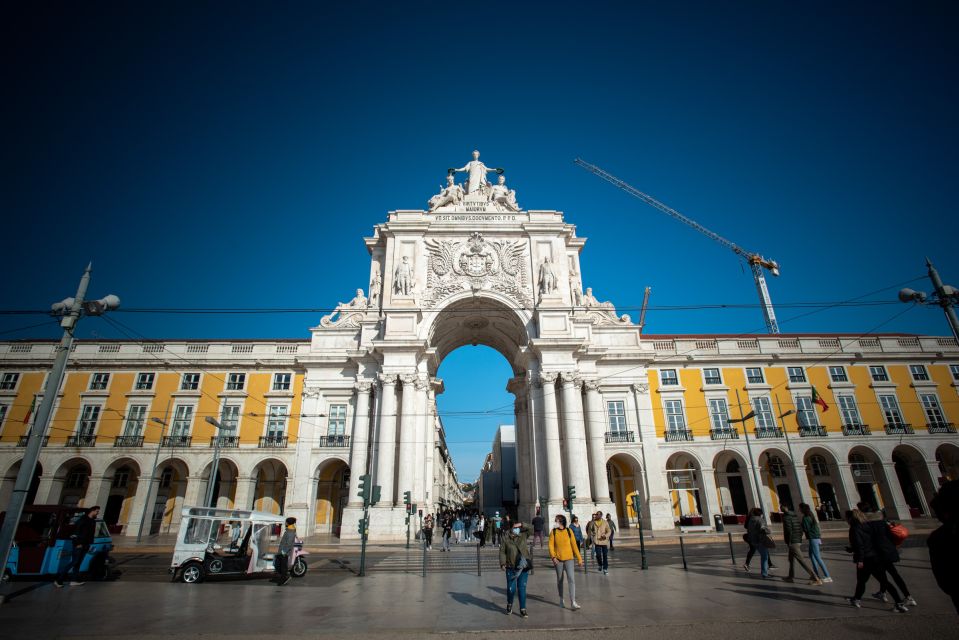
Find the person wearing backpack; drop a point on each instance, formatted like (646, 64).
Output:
(563, 551)
(869, 556)
(887, 553)
(943, 543)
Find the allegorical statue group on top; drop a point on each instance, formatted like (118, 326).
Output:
(477, 190)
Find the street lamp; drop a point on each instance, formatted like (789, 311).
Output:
(70, 310)
(214, 471)
(943, 295)
(749, 450)
(153, 473)
(789, 446)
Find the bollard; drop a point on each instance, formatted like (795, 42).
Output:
(732, 553)
(424, 555)
(479, 563)
(682, 549)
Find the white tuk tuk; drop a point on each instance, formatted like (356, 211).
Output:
(222, 542)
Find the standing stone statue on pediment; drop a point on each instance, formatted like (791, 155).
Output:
(403, 278)
(547, 277)
(475, 174)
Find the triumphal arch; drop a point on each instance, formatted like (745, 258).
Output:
(477, 268)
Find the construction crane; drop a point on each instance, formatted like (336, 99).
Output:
(756, 262)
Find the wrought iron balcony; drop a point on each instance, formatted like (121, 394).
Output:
(617, 437)
(128, 441)
(225, 442)
(274, 442)
(82, 440)
(723, 434)
(679, 435)
(812, 432)
(855, 430)
(941, 427)
(177, 441)
(334, 441)
(22, 442)
(775, 432)
(899, 429)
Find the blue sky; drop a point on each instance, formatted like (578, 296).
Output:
(229, 155)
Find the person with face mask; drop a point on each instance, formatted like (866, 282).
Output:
(516, 561)
(599, 535)
(563, 550)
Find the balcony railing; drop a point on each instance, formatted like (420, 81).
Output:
(617, 437)
(775, 432)
(855, 430)
(225, 442)
(22, 442)
(898, 429)
(82, 440)
(723, 434)
(334, 441)
(941, 427)
(679, 435)
(177, 441)
(274, 442)
(128, 441)
(812, 432)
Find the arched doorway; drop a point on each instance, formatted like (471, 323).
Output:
(172, 478)
(73, 476)
(947, 458)
(224, 484)
(778, 475)
(914, 480)
(736, 497)
(870, 480)
(625, 477)
(686, 492)
(822, 473)
(117, 490)
(9, 481)
(332, 479)
(269, 493)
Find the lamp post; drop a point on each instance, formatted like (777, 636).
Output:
(153, 473)
(749, 450)
(215, 470)
(70, 310)
(943, 295)
(789, 447)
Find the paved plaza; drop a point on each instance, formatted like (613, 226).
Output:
(394, 600)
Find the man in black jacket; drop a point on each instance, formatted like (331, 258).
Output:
(83, 534)
(944, 541)
(792, 536)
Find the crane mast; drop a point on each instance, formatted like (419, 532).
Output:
(756, 262)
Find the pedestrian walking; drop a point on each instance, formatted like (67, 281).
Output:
(447, 530)
(868, 561)
(497, 523)
(428, 531)
(564, 551)
(577, 532)
(747, 538)
(82, 538)
(887, 553)
(457, 530)
(612, 530)
(792, 536)
(481, 530)
(758, 538)
(515, 560)
(943, 543)
(470, 523)
(538, 524)
(281, 561)
(600, 540)
(810, 527)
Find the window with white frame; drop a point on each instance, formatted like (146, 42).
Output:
(930, 404)
(99, 381)
(878, 373)
(712, 376)
(616, 410)
(145, 381)
(337, 423)
(796, 374)
(88, 419)
(818, 465)
(765, 421)
(121, 478)
(76, 479)
(136, 416)
(849, 411)
(777, 468)
(838, 374)
(230, 419)
(754, 375)
(954, 370)
(276, 420)
(9, 381)
(182, 420)
(806, 414)
(282, 381)
(235, 381)
(719, 415)
(919, 372)
(190, 382)
(675, 420)
(668, 377)
(890, 409)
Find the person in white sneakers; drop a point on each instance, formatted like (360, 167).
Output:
(810, 527)
(563, 551)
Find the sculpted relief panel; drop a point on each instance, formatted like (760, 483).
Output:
(477, 264)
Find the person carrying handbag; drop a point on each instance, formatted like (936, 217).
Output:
(758, 537)
(515, 560)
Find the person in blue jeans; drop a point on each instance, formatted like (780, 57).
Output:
(810, 527)
(515, 560)
(756, 534)
(83, 535)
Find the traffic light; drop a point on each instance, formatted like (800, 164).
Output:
(407, 500)
(571, 493)
(363, 526)
(365, 488)
(635, 500)
(375, 495)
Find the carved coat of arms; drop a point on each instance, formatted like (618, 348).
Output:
(477, 264)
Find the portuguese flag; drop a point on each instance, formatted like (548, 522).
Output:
(33, 405)
(817, 399)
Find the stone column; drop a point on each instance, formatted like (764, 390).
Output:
(554, 454)
(537, 429)
(49, 489)
(299, 491)
(195, 484)
(429, 469)
(934, 472)
(805, 493)
(244, 493)
(658, 509)
(712, 495)
(142, 496)
(422, 441)
(406, 462)
(360, 441)
(524, 466)
(577, 463)
(895, 491)
(386, 449)
(850, 493)
(596, 443)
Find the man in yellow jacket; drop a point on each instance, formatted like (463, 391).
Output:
(563, 550)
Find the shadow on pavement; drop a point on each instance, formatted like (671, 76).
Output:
(779, 594)
(473, 601)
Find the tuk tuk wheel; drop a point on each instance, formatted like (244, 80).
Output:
(299, 568)
(6, 576)
(192, 573)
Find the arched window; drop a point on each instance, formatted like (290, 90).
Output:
(776, 467)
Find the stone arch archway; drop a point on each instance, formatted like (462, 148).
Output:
(71, 483)
(824, 474)
(115, 491)
(224, 484)
(916, 484)
(172, 478)
(269, 492)
(947, 459)
(331, 481)
(625, 477)
(734, 484)
(871, 481)
(687, 489)
(9, 481)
